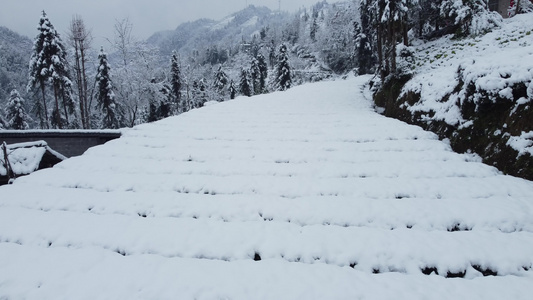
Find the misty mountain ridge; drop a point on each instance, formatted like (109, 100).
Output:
(14, 57)
(202, 33)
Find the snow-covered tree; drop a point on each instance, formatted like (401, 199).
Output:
(471, 16)
(244, 83)
(199, 93)
(255, 76)
(15, 113)
(138, 64)
(232, 90)
(38, 68)
(48, 65)
(176, 83)
(520, 7)
(283, 79)
(105, 95)
(364, 55)
(80, 40)
(258, 74)
(221, 82)
(263, 72)
(160, 101)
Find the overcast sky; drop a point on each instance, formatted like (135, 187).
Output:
(147, 17)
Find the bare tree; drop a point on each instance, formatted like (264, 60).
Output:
(80, 39)
(124, 40)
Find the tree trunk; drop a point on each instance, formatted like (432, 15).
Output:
(58, 113)
(44, 106)
(79, 84)
(85, 90)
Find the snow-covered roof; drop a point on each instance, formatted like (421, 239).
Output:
(305, 194)
(24, 158)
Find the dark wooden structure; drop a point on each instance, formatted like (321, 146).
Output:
(67, 142)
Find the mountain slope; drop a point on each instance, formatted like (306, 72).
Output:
(201, 34)
(305, 194)
(14, 60)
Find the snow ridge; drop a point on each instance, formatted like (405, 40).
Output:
(303, 194)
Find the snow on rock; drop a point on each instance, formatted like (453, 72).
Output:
(303, 194)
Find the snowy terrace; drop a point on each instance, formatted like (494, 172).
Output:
(306, 194)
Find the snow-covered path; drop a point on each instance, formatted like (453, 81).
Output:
(307, 194)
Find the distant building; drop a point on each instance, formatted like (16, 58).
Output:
(26, 158)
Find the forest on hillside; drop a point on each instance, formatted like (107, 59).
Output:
(70, 84)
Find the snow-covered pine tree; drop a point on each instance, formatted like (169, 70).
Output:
(263, 73)
(39, 72)
(15, 113)
(255, 76)
(232, 90)
(199, 93)
(176, 84)
(471, 16)
(244, 84)
(283, 79)
(390, 17)
(48, 64)
(105, 95)
(221, 81)
(167, 102)
(363, 53)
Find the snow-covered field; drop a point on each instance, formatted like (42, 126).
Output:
(306, 194)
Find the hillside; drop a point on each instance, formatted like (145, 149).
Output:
(14, 59)
(476, 92)
(202, 34)
(305, 194)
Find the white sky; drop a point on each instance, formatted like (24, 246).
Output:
(147, 17)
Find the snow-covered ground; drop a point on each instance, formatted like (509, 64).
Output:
(306, 194)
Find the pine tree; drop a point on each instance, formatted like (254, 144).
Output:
(472, 17)
(363, 48)
(48, 64)
(221, 81)
(176, 84)
(263, 73)
(283, 80)
(199, 93)
(105, 95)
(39, 72)
(244, 85)
(255, 76)
(232, 90)
(16, 115)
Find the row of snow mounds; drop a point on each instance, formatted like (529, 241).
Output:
(305, 194)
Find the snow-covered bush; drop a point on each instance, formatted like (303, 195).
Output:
(405, 60)
(16, 115)
(472, 16)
